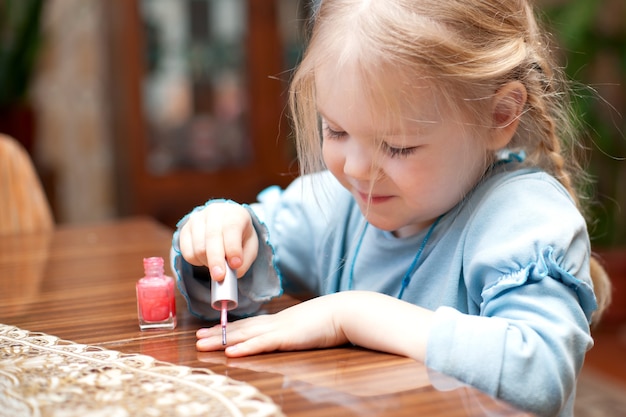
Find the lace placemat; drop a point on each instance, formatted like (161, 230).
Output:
(42, 375)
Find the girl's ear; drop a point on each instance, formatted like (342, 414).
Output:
(508, 105)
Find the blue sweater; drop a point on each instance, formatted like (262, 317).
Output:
(506, 272)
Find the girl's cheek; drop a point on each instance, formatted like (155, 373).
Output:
(332, 156)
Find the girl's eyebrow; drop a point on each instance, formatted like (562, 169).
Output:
(326, 118)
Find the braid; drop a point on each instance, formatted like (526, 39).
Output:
(548, 134)
(549, 111)
(547, 152)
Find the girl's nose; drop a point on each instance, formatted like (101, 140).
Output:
(358, 163)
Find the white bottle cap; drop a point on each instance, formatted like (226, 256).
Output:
(225, 290)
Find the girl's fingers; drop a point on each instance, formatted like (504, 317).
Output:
(233, 246)
(204, 332)
(210, 338)
(218, 234)
(192, 245)
(253, 346)
(229, 237)
(240, 239)
(214, 245)
(250, 252)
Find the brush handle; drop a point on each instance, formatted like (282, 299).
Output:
(225, 291)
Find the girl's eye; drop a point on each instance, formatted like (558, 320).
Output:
(392, 151)
(332, 134)
(398, 152)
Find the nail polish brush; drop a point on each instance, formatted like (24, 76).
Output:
(224, 298)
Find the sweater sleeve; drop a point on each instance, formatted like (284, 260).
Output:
(526, 264)
(299, 221)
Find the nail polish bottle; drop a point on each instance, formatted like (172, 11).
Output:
(156, 303)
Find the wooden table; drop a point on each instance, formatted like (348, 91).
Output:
(78, 284)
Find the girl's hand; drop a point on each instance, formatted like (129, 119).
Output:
(369, 319)
(220, 233)
(306, 325)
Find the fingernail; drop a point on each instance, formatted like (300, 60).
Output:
(217, 271)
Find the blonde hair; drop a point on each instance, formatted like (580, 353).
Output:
(469, 49)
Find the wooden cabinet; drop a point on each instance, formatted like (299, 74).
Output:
(198, 101)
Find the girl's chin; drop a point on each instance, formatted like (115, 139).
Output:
(382, 224)
(398, 230)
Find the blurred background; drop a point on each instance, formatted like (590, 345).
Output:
(150, 107)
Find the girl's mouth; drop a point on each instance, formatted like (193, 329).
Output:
(373, 198)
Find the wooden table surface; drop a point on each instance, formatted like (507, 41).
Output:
(78, 284)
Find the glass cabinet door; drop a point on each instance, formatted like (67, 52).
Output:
(194, 87)
(198, 92)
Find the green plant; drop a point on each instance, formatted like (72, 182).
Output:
(592, 49)
(20, 39)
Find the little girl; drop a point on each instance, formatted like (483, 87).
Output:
(436, 216)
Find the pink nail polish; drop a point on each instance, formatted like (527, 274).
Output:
(156, 303)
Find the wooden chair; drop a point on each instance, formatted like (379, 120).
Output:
(24, 207)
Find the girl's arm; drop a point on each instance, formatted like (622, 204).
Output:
(372, 320)
(294, 220)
